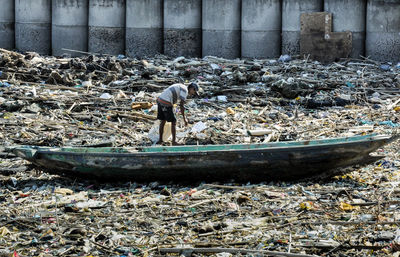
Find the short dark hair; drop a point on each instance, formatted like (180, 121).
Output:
(194, 86)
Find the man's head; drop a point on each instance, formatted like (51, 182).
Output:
(193, 89)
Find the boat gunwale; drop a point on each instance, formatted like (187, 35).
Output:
(48, 151)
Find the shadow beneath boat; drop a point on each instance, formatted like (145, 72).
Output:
(38, 180)
(98, 182)
(36, 177)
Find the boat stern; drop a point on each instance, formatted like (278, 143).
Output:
(25, 152)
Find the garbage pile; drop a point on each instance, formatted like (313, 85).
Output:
(110, 100)
(356, 214)
(94, 99)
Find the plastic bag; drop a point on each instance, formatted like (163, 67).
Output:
(154, 132)
(198, 127)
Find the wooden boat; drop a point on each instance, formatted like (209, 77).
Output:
(262, 162)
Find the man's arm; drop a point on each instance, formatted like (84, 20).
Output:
(182, 107)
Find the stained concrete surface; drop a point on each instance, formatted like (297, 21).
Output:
(182, 42)
(144, 28)
(229, 28)
(383, 30)
(182, 28)
(69, 26)
(107, 26)
(291, 11)
(33, 25)
(349, 15)
(221, 28)
(261, 28)
(7, 29)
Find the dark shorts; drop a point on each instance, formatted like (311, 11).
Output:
(165, 113)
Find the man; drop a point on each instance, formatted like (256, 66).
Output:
(165, 102)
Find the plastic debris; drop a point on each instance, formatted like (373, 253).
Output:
(222, 98)
(285, 58)
(198, 127)
(154, 135)
(57, 102)
(350, 85)
(260, 132)
(385, 67)
(106, 96)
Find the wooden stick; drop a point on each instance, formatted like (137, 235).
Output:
(82, 52)
(67, 250)
(375, 203)
(202, 202)
(51, 86)
(228, 187)
(137, 116)
(72, 107)
(230, 250)
(11, 53)
(393, 104)
(342, 247)
(104, 248)
(342, 223)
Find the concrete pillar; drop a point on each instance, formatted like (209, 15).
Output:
(107, 26)
(261, 28)
(182, 28)
(33, 25)
(291, 11)
(69, 26)
(7, 17)
(383, 30)
(144, 23)
(221, 28)
(349, 15)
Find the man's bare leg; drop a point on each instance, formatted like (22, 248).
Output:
(161, 132)
(173, 131)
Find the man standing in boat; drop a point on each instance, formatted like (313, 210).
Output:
(165, 103)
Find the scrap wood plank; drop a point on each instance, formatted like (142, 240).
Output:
(318, 40)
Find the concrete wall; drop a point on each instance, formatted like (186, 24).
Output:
(69, 26)
(221, 28)
(107, 26)
(291, 10)
(7, 18)
(182, 28)
(33, 25)
(383, 30)
(349, 15)
(261, 28)
(144, 23)
(193, 28)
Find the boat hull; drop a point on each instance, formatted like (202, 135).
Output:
(291, 162)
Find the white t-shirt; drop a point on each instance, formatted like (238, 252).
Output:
(173, 93)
